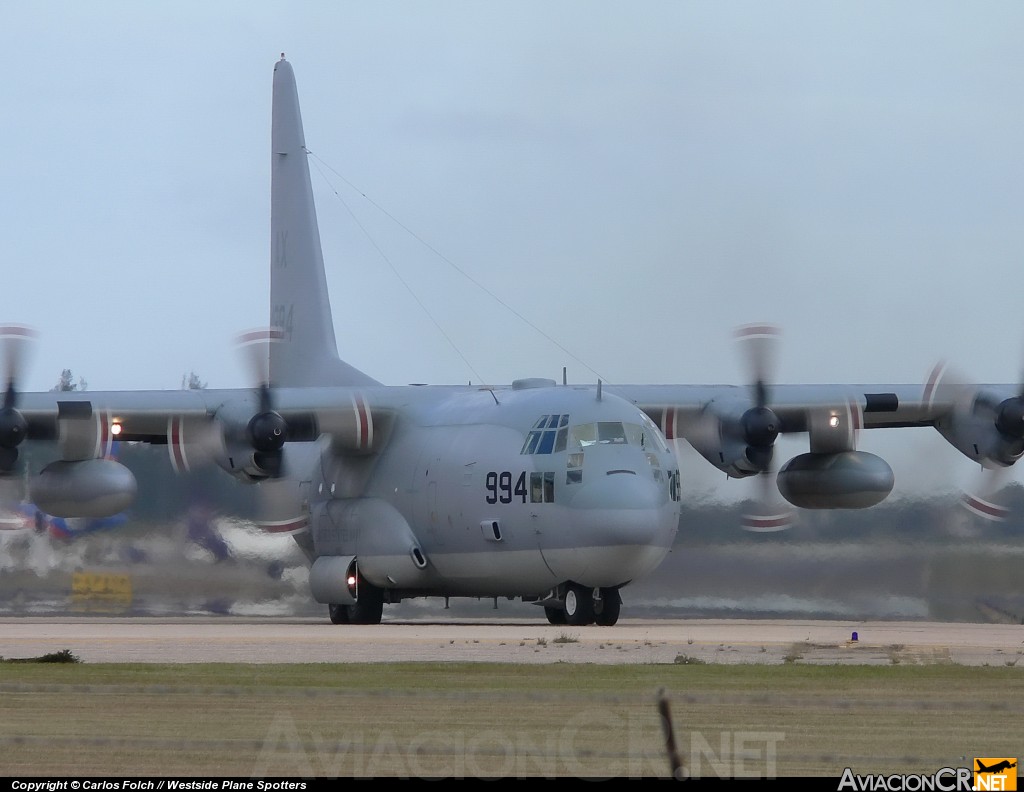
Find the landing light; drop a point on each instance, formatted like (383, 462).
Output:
(833, 421)
(115, 428)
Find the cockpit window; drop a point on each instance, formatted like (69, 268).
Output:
(603, 432)
(584, 435)
(552, 434)
(652, 436)
(547, 436)
(611, 432)
(645, 436)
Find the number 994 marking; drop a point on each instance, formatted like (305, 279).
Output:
(501, 490)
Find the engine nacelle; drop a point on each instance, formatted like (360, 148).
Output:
(846, 480)
(246, 464)
(334, 580)
(736, 438)
(376, 532)
(83, 488)
(987, 432)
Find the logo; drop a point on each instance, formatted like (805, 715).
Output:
(995, 774)
(948, 779)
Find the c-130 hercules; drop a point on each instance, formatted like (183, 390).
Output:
(550, 493)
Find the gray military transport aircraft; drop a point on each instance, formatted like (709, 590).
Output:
(551, 493)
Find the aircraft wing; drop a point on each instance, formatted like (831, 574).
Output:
(242, 431)
(148, 416)
(141, 415)
(735, 429)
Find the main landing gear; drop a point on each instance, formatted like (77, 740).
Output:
(368, 609)
(580, 607)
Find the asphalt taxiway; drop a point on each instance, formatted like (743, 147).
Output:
(231, 639)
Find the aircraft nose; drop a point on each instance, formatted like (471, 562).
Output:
(629, 524)
(618, 490)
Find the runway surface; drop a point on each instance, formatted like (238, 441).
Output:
(632, 641)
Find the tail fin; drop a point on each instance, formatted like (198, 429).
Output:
(299, 304)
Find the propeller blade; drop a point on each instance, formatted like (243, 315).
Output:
(267, 430)
(14, 344)
(760, 344)
(255, 345)
(702, 429)
(948, 386)
(768, 523)
(985, 426)
(768, 513)
(280, 507)
(194, 443)
(984, 498)
(12, 495)
(759, 426)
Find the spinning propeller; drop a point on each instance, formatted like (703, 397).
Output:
(14, 341)
(985, 427)
(760, 427)
(267, 430)
(242, 441)
(984, 496)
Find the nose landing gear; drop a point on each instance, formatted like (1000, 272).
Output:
(581, 605)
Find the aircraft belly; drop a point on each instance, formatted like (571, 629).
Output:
(610, 566)
(485, 573)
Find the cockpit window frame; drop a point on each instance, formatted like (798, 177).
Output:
(548, 435)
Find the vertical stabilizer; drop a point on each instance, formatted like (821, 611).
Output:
(299, 304)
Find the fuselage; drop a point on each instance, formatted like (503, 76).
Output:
(502, 493)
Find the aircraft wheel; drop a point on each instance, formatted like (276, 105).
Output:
(579, 605)
(338, 614)
(555, 615)
(611, 603)
(370, 606)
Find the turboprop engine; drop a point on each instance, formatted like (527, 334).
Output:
(985, 426)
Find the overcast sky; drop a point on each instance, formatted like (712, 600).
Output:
(635, 179)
